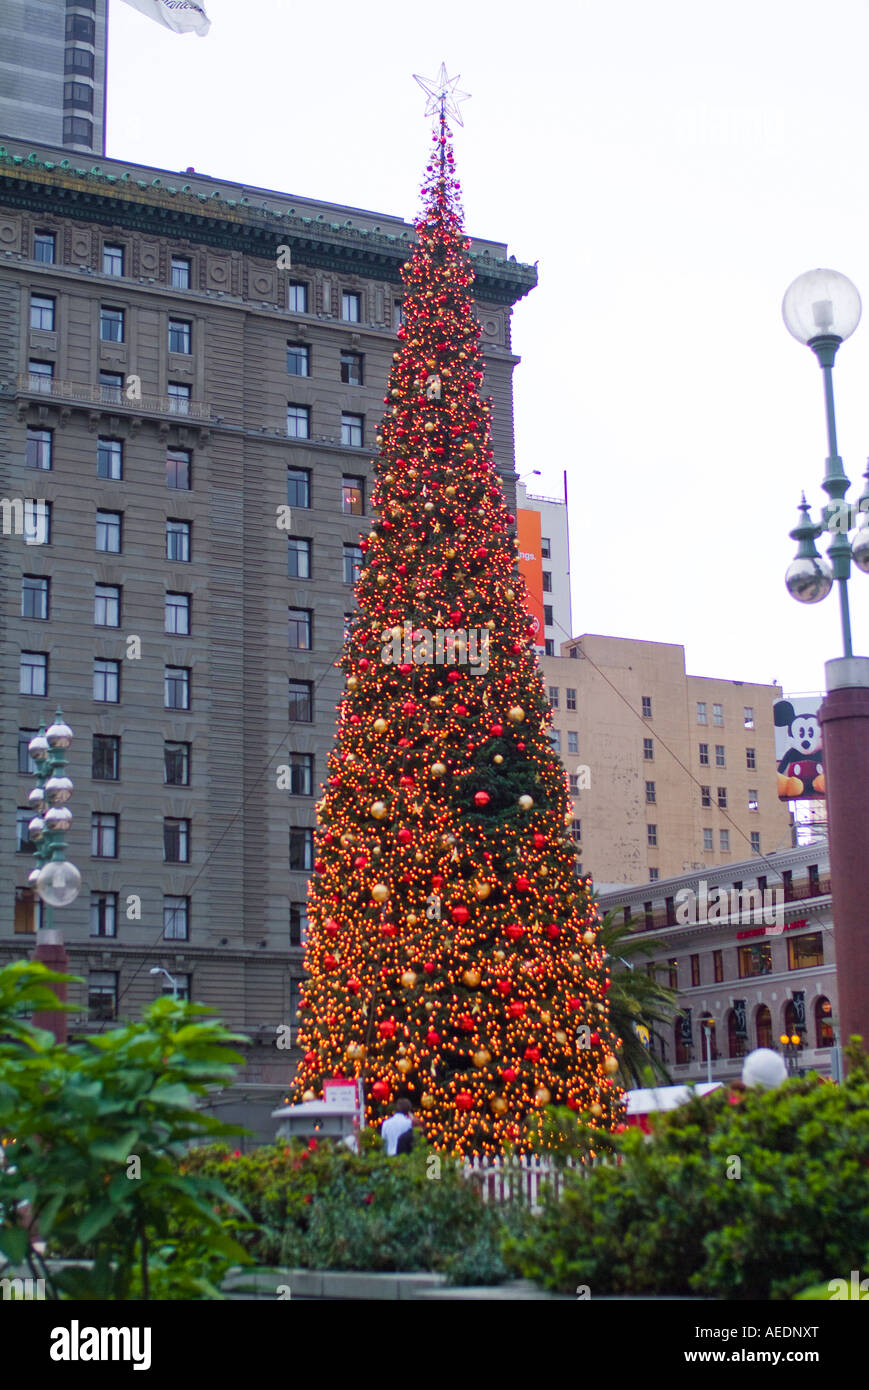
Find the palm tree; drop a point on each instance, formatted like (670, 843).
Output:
(636, 997)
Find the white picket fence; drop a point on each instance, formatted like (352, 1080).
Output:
(522, 1179)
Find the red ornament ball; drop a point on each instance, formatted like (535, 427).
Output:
(460, 914)
(464, 1100)
(481, 798)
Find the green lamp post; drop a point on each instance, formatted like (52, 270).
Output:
(821, 309)
(57, 882)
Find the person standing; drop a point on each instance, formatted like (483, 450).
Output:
(398, 1123)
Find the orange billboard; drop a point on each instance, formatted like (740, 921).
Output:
(531, 566)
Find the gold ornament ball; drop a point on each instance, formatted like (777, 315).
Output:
(309, 1095)
(436, 701)
(483, 891)
(380, 726)
(588, 938)
(378, 439)
(426, 1101)
(543, 1095)
(404, 1064)
(601, 1008)
(467, 447)
(429, 507)
(509, 595)
(499, 955)
(546, 1016)
(355, 1051)
(428, 427)
(471, 978)
(376, 851)
(516, 713)
(408, 978)
(395, 393)
(380, 892)
(560, 1035)
(482, 1058)
(412, 919)
(450, 491)
(451, 554)
(526, 802)
(498, 758)
(611, 1064)
(499, 1105)
(390, 478)
(438, 769)
(596, 1109)
(352, 682)
(378, 810)
(382, 579)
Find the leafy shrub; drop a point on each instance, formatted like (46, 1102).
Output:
(669, 1219)
(323, 1207)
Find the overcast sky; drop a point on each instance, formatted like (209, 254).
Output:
(672, 167)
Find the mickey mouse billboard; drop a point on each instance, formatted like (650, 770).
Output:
(798, 750)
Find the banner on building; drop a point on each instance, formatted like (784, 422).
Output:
(740, 1021)
(798, 751)
(181, 16)
(686, 1030)
(528, 537)
(799, 1000)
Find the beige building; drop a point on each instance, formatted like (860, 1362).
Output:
(670, 772)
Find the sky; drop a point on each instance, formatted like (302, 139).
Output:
(671, 168)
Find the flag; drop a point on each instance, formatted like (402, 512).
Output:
(182, 16)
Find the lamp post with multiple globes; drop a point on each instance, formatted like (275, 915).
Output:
(821, 309)
(57, 882)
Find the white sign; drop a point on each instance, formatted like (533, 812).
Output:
(182, 16)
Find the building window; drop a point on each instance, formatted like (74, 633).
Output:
(179, 398)
(105, 758)
(301, 767)
(651, 835)
(719, 755)
(176, 840)
(297, 297)
(301, 849)
(180, 990)
(351, 307)
(104, 914)
(111, 324)
(104, 835)
(695, 970)
(108, 538)
(180, 273)
(705, 796)
(110, 459)
(79, 60)
(750, 759)
(44, 244)
(301, 702)
(547, 614)
(41, 375)
(113, 259)
(571, 698)
(704, 754)
(298, 487)
(573, 742)
(178, 537)
(177, 614)
(176, 918)
(298, 558)
(178, 469)
(748, 717)
(670, 905)
(555, 739)
(107, 681)
(752, 798)
(673, 972)
(554, 696)
(298, 422)
(34, 596)
(761, 882)
(351, 368)
(718, 715)
(42, 313)
(824, 1036)
(102, 984)
(648, 750)
(701, 712)
(352, 563)
(724, 841)
(647, 706)
(298, 923)
(107, 605)
(722, 798)
(23, 842)
(176, 764)
(111, 388)
(180, 336)
(576, 829)
(718, 966)
(708, 840)
(650, 794)
(299, 629)
(547, 582)
(648, 919)
(351, 431)
(754, 960)
(805, 951)
(755, 842)
(814, 881)
(545, 548)
(27, 766)
(353, 495)
(37, 450)
(28, 911)
(33, 674)
(548, 646)
(81, 28)
(573, 779)
(298, 359)
(176, 687)
(653, 875)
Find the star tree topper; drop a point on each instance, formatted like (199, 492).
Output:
(443, 98)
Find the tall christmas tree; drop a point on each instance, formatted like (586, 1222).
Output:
(452, 954)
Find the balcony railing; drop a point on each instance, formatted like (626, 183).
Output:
(114, 397)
